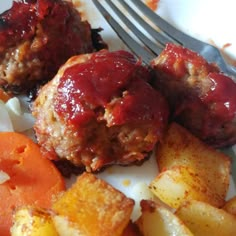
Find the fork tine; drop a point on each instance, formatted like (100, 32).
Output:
(162, 39)
(167, 28)
(152, 46)
(135, 47)
(162, 24)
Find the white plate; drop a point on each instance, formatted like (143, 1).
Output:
(196, 18)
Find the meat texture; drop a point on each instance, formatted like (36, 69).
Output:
(36, 38)
(201, 98)
(99, 110)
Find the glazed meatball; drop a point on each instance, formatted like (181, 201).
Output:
(200, 97)
(36, 38)
(99, 110)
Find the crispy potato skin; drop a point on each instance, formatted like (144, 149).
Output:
(180, 148)
(92, 207)
(158, 220)
(30, 220)
(230, 206)
(190, 170)
(204, 219)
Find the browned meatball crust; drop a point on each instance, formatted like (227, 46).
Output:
(36, 38)
(99, 110)
(200, 97)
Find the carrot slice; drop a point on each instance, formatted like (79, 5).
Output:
(33, 178)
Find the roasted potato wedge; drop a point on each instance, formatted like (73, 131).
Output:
(230, 206)
(181, 183)
(92, 207)
(181, 148)
(204, 220)
(158, 220)
(32, 221)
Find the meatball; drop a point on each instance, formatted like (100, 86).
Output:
(36, 38)
(200, 97)
(99, 110)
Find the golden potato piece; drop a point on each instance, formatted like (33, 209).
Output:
(92, 207)
(181, 183)
(181, 148)
(158, 220)
(204, 220)
(230, 206)
(32, 221)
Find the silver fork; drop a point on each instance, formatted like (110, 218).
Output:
(147, 41)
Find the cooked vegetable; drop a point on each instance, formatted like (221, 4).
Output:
(230, 206)
(3, 177)
(92, 207)
(21, 121)
(180, 148)
(34, 222)
(158, 220)
(33, 178)
(204, 220)
(181, 183)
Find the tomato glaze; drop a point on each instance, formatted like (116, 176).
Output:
(114, 81)
(221, 96)
(177, 59)
(58, 21)
(201, 98)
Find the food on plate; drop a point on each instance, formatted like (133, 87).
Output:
(158, 220)
(180, 148)
(37, 37)
(182, 183)
(99, 110)
(33, 221)
(92, 207)
(4, 96)
(33, 179)
(230, 206)
(200, 97)
(189, 169)
(38, 221)
(17, 118)
(131, 230)
(203, 219)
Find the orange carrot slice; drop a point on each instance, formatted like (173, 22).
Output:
(33, 178)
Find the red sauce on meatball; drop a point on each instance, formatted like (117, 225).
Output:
(105, 77)
(201, 98)
(222, 96)
(177, 60)
(44, 33)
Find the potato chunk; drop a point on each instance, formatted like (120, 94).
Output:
(181, 148)
(158, 220)
(230, 206)
(32, 221)
(181, 183)
(92, 207)
(204, 220)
